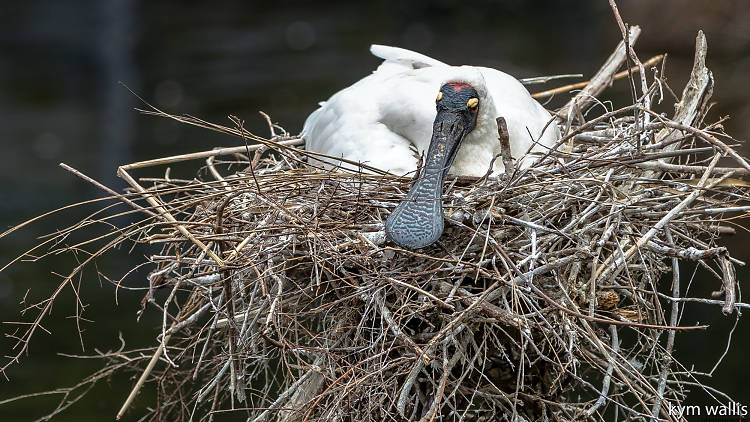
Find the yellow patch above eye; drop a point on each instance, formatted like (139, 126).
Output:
(440, 96)
(472, 102)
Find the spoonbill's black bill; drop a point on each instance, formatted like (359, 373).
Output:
(417, 222)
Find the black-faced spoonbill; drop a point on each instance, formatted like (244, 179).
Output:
(412, 105)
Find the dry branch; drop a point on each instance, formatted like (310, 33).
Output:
(600, 81)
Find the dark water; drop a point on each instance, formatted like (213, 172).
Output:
(60, 63)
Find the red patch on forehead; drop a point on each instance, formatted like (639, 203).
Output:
(458, 86)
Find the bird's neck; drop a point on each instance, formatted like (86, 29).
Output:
(485, 131)
(479, 146)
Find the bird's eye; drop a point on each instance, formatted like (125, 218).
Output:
(439, 97)
(472, 104)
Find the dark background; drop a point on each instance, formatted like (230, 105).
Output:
(60, 62)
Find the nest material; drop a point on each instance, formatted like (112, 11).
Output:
(554, 293)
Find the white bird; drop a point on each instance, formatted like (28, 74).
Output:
(388, 119)
(385, 117)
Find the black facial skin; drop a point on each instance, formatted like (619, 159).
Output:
(417, 222)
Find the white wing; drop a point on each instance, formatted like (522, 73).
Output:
(380, 119)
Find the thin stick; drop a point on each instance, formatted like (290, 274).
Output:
(108, 190)
(613, 263)
(144, 375)
(121, 171)
(205, 154)
(505, 152)
(673, 319)
(601, 79)
(711, 140)
(578, 85)
(397, 331)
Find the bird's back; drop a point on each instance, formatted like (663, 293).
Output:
(385, 119)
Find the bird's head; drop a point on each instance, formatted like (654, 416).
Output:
(457, 106)
(417, 222)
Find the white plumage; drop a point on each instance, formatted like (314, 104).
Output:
(385, 117)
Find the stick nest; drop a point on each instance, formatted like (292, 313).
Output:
(554, 293)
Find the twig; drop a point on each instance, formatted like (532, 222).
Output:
(619, 75)
(142, 379)
(608, 376)
(121, 171)
(604, 271)
(108, 190)
(505, 152)
(600, 80)
(673, 318)
(393, 325)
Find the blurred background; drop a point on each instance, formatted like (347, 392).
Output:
(60, 101)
